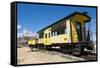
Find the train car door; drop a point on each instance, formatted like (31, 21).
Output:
(47, 35)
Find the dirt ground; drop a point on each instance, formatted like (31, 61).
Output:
(26, 56)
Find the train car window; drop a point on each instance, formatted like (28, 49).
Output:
(65, 31)
(49, 35)
(41, 35)
(78, 26)
(45, 35)
(55, 33)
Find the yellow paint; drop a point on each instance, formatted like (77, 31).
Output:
(74, 32)
(47, 40)
(63, 38)
(32, 42)
(81, 19)
(41, 41)
(68, 31)
(29, 42)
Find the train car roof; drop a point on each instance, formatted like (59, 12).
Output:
(67, 17)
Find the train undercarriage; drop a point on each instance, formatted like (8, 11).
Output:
(67, 48)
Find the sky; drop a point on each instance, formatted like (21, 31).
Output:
(33, 17)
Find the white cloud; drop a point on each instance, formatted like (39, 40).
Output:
(18, 26)
(19, 34)
(27, 34)
(31, 34)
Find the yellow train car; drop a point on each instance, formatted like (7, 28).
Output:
(32, 43)
(69, 33)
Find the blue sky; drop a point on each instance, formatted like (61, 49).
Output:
(35, 17)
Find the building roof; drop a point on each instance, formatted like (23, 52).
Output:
(67, 17)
